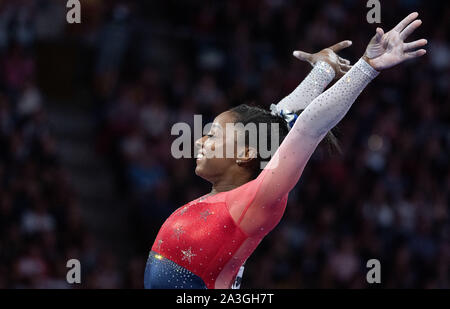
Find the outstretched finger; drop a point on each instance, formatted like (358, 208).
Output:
(346, 67)
(340, 46)
(406, 21)
(410, 29)
(415, 44)
(342, 72)
(345, 61)
(415, 54)
(379, 35)
(302, 55)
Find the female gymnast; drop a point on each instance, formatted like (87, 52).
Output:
(204, 243)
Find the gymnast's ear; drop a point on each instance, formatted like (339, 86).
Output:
(246, 155)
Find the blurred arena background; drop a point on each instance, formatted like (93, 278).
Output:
(85, 117)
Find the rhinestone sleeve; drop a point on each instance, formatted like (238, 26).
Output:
(313, 85)
(331, 106)
(258, 202)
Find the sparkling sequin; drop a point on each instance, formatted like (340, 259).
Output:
(183, 210)
(204, 197)
(160, 243)
(178, 231)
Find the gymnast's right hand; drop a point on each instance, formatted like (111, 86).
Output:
(386, 50)
(328, 55)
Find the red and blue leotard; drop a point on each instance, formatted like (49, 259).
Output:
(204, 243)
(204, 238)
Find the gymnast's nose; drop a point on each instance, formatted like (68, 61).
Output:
(200, 141)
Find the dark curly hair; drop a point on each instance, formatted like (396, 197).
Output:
(246, 114)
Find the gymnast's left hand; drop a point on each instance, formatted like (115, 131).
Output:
(386, 50)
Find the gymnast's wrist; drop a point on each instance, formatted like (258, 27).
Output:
(368, 61)
(325, 68)
(364, 64)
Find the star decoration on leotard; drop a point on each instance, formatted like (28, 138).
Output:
(204, 214)
(187, 255)
(178, 231)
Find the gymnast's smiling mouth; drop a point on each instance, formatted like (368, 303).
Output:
(200, 155)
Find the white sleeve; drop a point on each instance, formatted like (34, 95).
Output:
(331, 106)
(256, 202)
(313, 85)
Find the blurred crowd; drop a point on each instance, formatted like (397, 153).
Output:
(39, 216)
(41, 222)
(154, 63)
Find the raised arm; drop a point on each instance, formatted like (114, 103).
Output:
(327, 66)
(263, 211)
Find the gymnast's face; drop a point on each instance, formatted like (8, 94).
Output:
(212, 160)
